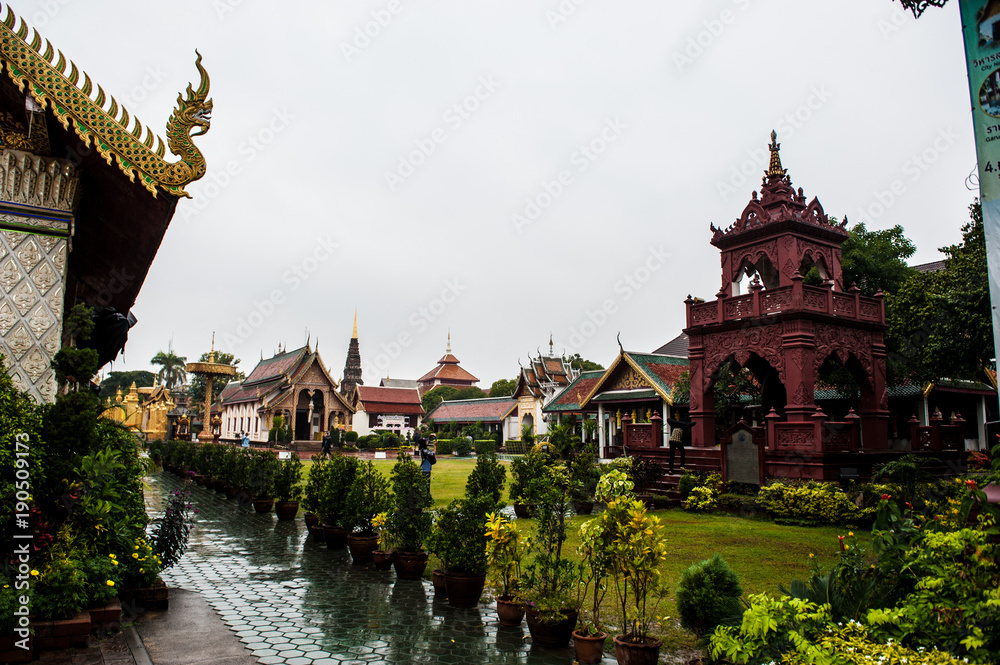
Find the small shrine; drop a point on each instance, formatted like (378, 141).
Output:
(784, 331)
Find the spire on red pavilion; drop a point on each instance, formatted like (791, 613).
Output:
(774, 169)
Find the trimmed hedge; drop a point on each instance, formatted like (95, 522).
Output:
(445, 447)
(822, 503)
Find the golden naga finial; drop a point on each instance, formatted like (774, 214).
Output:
(774, 168)
(99, 119)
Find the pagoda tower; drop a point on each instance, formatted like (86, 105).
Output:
(783, 330)
(352, 368)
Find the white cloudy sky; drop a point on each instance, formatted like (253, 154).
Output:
(309, 118)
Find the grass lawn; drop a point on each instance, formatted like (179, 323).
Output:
(763, 554)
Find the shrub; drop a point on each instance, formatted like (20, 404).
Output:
(171, 534)
(515, 447)
(350, 437)
(818, 502)
(368, 496)
(488, 478)
(286, 479)
(687, 483)
(708, 595)
(484, 446)
(444, 447)
(462, 446)
(702, 499)
(736, 503)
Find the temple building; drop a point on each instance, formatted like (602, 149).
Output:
(86, 195)
(293, 384)
(352, 367)
(144, 410)
(447, 373)
(538, 384)
(632, 401)
(496, 414)
(395, 410)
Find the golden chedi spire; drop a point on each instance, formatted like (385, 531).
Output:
(774, 169)
(354, 333)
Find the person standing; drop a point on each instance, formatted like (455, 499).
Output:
(245, 441)
(327, 442)
(428, 458)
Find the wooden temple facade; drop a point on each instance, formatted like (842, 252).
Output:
(86, 196)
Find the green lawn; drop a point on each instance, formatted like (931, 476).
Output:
(763, 554)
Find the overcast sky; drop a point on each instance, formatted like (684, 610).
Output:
(512, 169)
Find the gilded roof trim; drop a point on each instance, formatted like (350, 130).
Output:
(108, 128)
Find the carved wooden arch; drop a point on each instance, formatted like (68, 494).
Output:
(764, 341)
(753, 215)
(844, 343)
(814, 213)
(753, 256)
(817, 255)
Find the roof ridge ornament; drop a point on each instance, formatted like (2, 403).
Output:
(56, 83)
(774, 169)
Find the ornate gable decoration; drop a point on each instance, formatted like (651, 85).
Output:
(105, 123)
(779, 202)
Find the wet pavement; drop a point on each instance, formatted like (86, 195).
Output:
(291, 600)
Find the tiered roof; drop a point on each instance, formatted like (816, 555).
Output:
(378, 399)
(487, 409)
(570, 398)
(544, 376)
(448, 371)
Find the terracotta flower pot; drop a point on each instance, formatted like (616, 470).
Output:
(551, 634)
(523, 510)
(382, 559)
(440, 586)
(312, 519)
(409, 565)
(335, 536)
(634, 653)
(361, 547)
(509, 612)
(286, 510)
(464, 590)
(263, 505)
(589, 648)
(229, 490)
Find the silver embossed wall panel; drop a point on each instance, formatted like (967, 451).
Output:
(32, 279)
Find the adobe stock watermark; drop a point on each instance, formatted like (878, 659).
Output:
(562, 13)
(710, 32)
(370, 30)
(420, 320)
(48, 10)
(585, 155)
(897, 20)
(225, 7)
(293, 278)
(218, 180)
(23, 537)
(624, 289)
(912, 170)
(454, 117)
(785, 126)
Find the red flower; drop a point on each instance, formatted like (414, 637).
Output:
(971, 483)
(841, 539)
(886, 497)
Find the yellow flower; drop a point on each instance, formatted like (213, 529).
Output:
(850, 533)
(141, 570)
(134, 555)
(112, 556)
(110, 583)
(115, 562)
(137, 547)
(812, 556)
(847, 547)
(34, 573)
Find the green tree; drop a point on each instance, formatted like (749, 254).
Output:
(435, 396)
(503, 387)
(124, 380)
(171, 368)
(198, 383)
(583, 364)
(940, 323)
(876, 260)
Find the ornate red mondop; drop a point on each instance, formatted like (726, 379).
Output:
(782, 329)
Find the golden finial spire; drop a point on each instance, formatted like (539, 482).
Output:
(774, 168)
(448, 350)
(211, 355)
(551, 346)
(354, 335)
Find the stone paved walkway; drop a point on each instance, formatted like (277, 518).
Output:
(290, 600)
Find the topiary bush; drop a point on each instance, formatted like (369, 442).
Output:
(462, 446)
(708, 595)
(444, 447)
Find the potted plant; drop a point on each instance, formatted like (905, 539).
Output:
(367, 497)
(263, 466)
(583, 468)
(333, 499)
(550, 579)
(286, 487)
(637, 546)
(596, 551)
(459, 540)
(489, 475)
(315, 479)
(504, 551)
(382, 556)
(409, 521)
(522, 471)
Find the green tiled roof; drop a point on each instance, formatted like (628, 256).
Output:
(567, 400)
